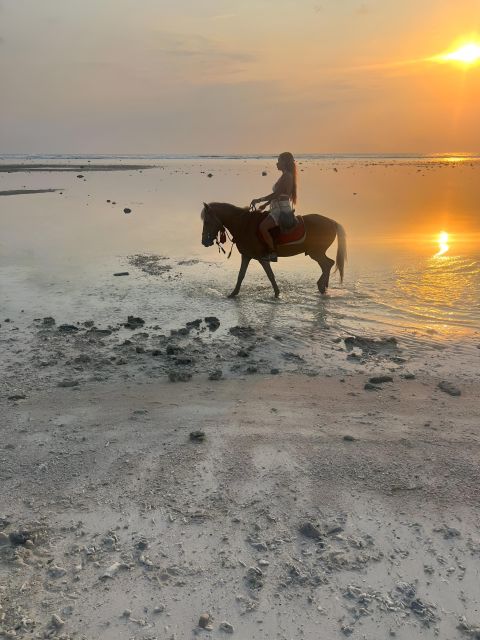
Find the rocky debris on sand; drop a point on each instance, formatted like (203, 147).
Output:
(204, 621)
(48, 321)
(112, 570)
(471, 630)
(406, 593)
(179, 376)
(56, 572)
(274, 371)
(215, 375)
(127, 210)
(134, 322)
(242, 332)
(448, 532)
(226, 627)
(212, 322)
(254, 578)
(449, 388)
(309, 530)
(149, 264)
(197, 436)
(372, 346)
(17, 396)
(349, 438)
(371, 387)
(122, 273)
(68, 328)
(57, 622)
(380, 379)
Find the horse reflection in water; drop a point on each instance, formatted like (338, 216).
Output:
(320, 232)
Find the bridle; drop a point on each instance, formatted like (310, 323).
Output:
(222, 234)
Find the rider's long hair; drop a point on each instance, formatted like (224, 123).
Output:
(289, 163)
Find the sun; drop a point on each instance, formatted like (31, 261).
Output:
(442, 243)
(467, 54)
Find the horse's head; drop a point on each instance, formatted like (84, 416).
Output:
(211, 225)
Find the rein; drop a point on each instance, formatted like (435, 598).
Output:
(222, 236)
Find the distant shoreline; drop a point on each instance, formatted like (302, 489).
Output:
(19, 192)
(12, 168)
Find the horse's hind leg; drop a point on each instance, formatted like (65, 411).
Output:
(271, 276)
(241, 276)
(326, 265)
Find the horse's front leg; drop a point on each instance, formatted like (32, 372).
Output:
(241, 276)
(271, 276)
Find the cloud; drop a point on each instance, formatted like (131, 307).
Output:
(190, 45)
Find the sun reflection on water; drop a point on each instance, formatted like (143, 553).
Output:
(442, 243)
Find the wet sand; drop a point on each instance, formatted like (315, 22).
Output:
(311, 508)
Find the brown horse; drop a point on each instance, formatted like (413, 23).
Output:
(243, 226)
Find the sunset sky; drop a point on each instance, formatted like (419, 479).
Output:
(224, 76)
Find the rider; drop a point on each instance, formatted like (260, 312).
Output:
(281, 199)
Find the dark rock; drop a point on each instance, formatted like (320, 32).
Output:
(380, 379)
(194, 324)
(212, 322)
(242, 332)
(252, 369)
(215, 375)
(17, 396)
(155, 352)
(209, 175)
(134, 323)
(140, 349)
(204, 621)
(173, 349)
(274, 371)
(254, 578)
(264, 173)
(449, 388)
(197, 436)
(349, 438)
(18, 538)
(184, 361)
(408, 376)
(79, 175)
(309, 530)
(68, 328)
(127, 210)
(48, 321)
(242, 353)
(122, 273)
(371, 387)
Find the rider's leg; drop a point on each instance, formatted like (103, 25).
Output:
(265, 226)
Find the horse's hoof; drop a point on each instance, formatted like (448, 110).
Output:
(234, 294)
(277, 294)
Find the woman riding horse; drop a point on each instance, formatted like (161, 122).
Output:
(284, 193)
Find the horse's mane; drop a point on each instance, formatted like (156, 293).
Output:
(225, 205)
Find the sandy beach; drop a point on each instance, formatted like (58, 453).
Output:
(175, 464)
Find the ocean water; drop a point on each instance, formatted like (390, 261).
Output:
(59, 250)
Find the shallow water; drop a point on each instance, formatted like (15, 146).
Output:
(59, 250)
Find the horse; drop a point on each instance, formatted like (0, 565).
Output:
(243, 223)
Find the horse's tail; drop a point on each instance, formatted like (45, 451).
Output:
(341, 250)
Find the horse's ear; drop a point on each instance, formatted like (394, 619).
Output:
(206, 206)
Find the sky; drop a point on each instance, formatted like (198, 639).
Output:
(236, 76)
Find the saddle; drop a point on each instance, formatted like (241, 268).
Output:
(296, 235)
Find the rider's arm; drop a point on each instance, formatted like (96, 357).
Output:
(283, 186)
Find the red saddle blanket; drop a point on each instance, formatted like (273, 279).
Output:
(293, 236)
